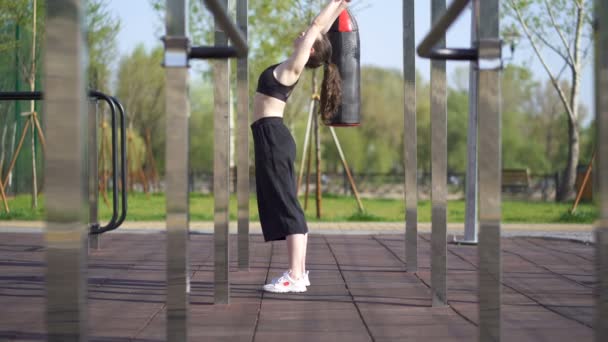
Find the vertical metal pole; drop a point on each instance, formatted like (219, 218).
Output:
(176, 177)
(601, 102)
(410, 136)
(66, 165)
(305, 146)
(93, 174)
(489, 106)
(317, 130)
(470, 224)
(243, 144)
(221, 170)
(439, 160)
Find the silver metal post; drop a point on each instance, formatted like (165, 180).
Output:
(94, 240)
(176, 177)
(489, 105)
(601, 102)
(438, 168)
(410, 136)
(243, 144)
(65, 170)
(471, 223)
(221, 170)
(311, 112)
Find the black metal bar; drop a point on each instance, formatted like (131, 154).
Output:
(123, 160)
(20, 95)
(454, 54)
(212, 52)
(426, 48)
(227, 25)
(96, 229)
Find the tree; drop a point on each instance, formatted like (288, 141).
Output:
(141, 89)
(558, 28)
(102, 29)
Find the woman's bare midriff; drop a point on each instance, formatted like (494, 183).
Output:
(266, 106)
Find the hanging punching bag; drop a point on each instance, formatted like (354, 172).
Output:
(344, 38)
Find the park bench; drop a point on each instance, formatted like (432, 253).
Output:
(515, 180)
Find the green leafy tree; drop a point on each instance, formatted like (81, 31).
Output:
(201, 127)
(102, 30)
(141, 89)
(559, 28)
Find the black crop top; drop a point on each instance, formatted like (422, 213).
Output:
(269, 85)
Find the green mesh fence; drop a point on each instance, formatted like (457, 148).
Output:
(15, 59)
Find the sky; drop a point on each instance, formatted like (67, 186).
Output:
(380, 26)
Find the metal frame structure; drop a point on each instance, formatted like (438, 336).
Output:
(601, 102)
(439, 164)
(487, 52)
(242, 167)
(65, 168)
(176, 177)
(472, 202)
(68, 154)
(221, 170)
(177, 54)
(410, 136)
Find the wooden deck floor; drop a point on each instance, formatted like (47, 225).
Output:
(360, 291)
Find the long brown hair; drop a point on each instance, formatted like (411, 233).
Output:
(331, 87)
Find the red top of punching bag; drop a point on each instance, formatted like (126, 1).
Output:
(345, 24)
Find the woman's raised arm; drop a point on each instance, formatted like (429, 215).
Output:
(289, 71)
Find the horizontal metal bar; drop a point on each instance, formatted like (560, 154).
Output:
(425, 48)
(454, 54)
(209, 52)
(228, 26)
(20, 95)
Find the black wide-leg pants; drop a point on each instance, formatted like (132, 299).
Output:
(275, 153)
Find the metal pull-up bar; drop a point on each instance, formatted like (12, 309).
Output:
(227, 25)
(427, 49)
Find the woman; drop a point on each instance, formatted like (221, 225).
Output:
(280, 213)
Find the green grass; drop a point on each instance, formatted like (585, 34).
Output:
(334, 208)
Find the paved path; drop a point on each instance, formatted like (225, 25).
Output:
(580, 232)
(360, 291)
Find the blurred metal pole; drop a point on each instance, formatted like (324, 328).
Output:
(601, 102)
(66, 176)
(221, 170)
(317, 137)
(176, 177)
(243, 144)
(471, 223)
(94, 240)
(439, 161)
(410, 136)
(489, 105)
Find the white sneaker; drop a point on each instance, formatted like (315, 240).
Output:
(285, 284)
(304, 278)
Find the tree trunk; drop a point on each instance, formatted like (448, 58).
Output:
(567, 191)
(32, 117)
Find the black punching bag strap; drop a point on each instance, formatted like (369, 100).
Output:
(344, 37)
